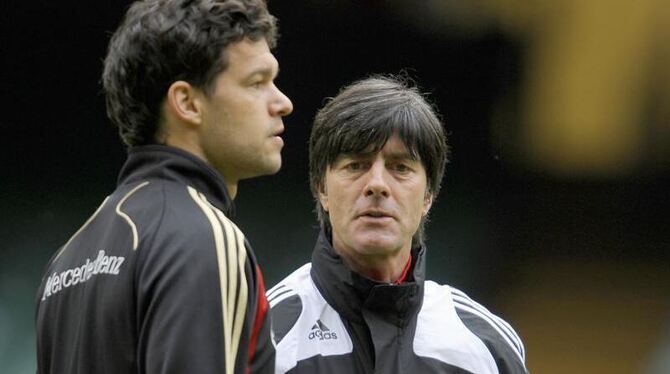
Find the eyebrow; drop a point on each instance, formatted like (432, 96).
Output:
(398, 155)
(266, 71)
(402, 155)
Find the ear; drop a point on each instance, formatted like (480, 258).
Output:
(185, 103)
(323, 196)
(427, 203)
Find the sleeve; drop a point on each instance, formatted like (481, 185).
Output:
(286, 307)
(499, 337)
(195, 286)
(261, 349)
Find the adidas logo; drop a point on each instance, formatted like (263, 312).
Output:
(321, 331)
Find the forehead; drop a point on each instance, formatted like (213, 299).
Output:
(248, 57)
(394, 146)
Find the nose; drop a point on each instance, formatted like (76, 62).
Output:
(281, 105)
(377, 183)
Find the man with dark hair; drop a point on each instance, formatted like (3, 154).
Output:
(377, 154)
(159, 279)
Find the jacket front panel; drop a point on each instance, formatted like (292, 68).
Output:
(328, 319)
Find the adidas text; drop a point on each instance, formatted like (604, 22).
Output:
(322, 335)
(321, 331)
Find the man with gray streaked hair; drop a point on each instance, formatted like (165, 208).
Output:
(377, 156)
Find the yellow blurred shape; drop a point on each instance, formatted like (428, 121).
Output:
(596, 318)
(587, 86)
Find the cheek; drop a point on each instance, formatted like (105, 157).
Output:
(417, 209)
(339, 205)
(336, 210)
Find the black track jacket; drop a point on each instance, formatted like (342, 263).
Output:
(158, 280)
(327, 319)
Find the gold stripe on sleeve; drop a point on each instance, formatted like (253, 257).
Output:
(221, 249)
(237, 257)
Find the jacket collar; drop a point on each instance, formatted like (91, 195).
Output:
(170, 163)
(351, 293)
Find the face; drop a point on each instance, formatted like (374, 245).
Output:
(242, 117)
(375, 202)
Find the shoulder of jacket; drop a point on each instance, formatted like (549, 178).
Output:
(149, 200)
(297, 284)
(496, 333)
(169, 216)
(304, 325)
(155, 192)
(477, 341)
(179, 203)
(286, 301)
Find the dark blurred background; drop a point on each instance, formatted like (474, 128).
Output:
(555, 206)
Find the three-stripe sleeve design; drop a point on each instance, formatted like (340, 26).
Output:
(231, 257)
(278, 293)
(464, 303)
(286, 308)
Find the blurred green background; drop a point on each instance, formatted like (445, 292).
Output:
(555, 206)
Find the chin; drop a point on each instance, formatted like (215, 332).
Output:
(271, 166)
(377, 246)
(275, 167)
(261, 170)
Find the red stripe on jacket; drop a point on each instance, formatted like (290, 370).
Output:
(262, 307)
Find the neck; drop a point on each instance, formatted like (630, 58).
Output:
(381, 268)
(185, 144)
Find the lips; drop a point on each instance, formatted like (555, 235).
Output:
(375, 214)
(276, 136)
(278, 131)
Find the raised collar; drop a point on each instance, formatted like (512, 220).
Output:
(351, 293)
(170, 163)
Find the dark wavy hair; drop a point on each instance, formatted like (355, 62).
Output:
(362, 117)
(163, 41)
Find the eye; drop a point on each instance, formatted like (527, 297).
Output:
(402, 168)
(354, 166)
